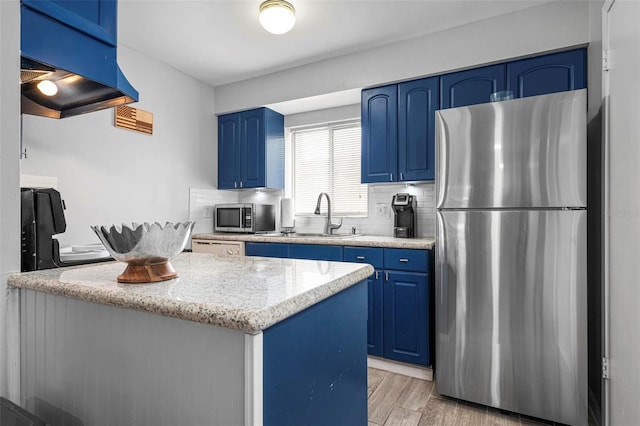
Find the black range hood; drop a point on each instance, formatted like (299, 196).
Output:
(73, 44)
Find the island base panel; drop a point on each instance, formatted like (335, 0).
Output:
(315, 364)
(88, 364)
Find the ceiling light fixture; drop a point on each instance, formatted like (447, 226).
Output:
(277, 16)
(47, 87)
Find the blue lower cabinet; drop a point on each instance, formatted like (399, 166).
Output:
(374, 317)
(406, 319)
(315, 364)
(267, 249)
(316, 252)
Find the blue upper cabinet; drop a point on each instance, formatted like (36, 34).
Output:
(417, 104)
(398, 131)
(95, 18)
(471, 87)
(251, 150)
(228, 151)
(379, 134)
(546, 74)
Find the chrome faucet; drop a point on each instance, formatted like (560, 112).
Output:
(328, 226)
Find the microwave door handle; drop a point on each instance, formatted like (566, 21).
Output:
(243, 217)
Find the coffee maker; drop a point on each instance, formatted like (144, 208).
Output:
(404, 208)
(42, 217)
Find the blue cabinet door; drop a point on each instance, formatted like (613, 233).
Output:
(280, 250)
(274, 149)
(406, 320)
(417, 104)
(379, 134)
(553, 73)
(252, 149)
(471, 87)
(228, 151)
(375, 318)
(316, 252)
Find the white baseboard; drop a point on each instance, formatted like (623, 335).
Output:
(400, 368)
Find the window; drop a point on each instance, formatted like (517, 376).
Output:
(327, 159)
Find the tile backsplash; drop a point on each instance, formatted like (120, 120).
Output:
(380, 218)
(378, 222)
(201, 202)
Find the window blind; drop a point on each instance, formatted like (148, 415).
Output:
(327, 159)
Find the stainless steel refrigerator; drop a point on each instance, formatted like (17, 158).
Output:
(511, 281)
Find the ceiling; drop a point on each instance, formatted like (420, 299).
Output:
(221, 41)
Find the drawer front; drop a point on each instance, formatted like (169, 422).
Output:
(406, 260)
(316, 252)
(371, 255)
(267, 249)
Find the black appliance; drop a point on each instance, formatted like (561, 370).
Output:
(247, 218)
(14, 415)
(404, 208)
(42, 212)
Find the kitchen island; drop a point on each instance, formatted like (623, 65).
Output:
(231, 341)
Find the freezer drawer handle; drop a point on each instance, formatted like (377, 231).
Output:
(360, 257)
(404, 260)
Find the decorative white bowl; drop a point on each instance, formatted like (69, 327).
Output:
(146, 248)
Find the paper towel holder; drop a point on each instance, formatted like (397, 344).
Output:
(287, 221)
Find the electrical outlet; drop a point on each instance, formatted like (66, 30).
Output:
(208, 211)
(382, 210)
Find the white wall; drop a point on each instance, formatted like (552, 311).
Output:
(544, 28)
(378, 222)
(623, 213)
(109, 175)
(9, 192)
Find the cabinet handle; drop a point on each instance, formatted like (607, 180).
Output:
(229, 251)
(360, 257)
(386, 276)
(235, 184)
(404, 260)
(241, 184)
(377, 275)
(401, 176)
(390, 177)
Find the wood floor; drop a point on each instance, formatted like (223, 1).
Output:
(397, 400)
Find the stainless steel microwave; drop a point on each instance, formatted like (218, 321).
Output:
(249, 218)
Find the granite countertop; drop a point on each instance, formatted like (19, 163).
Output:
(357, 240)
(248, 294)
